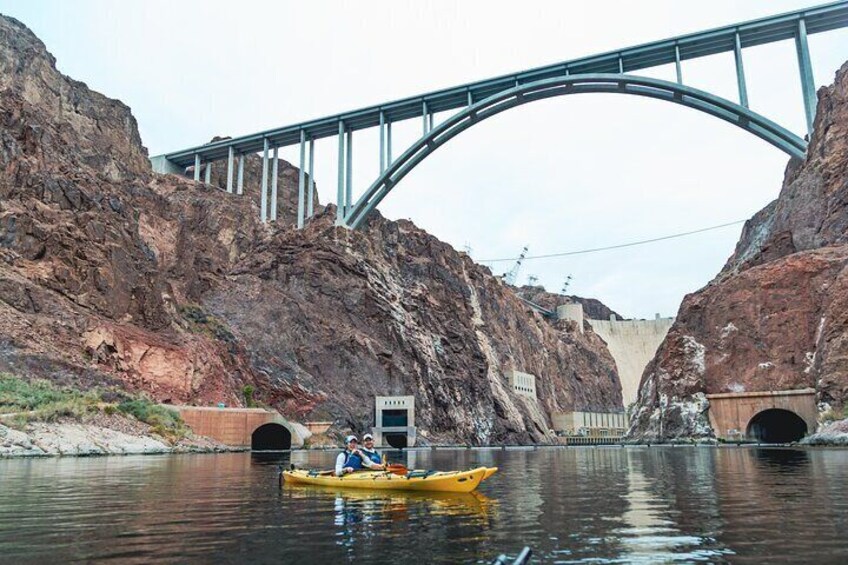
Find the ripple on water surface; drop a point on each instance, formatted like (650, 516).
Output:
(576, 505)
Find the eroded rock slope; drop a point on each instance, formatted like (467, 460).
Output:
(775, 318)
(110, 274)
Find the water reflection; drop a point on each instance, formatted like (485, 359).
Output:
(655, 530)
(570, 505)
(782, 458)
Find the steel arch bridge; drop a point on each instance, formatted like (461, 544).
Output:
(713, 105)
(604, 73)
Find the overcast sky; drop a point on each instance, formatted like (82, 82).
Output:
(558, 175)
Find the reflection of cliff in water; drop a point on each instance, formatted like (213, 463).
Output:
(663, 521)
(760, 495)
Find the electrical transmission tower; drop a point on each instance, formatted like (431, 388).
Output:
(531, 280)
(512, 275)
(567, 282)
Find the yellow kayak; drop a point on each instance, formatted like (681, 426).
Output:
(433, 481)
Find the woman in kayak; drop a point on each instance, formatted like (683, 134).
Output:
(352, 459)
(371, 454)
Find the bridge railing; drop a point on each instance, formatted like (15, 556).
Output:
(796, 26)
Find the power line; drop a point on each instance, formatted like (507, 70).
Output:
(611, 247)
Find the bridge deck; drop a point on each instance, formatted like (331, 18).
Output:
(691, 46)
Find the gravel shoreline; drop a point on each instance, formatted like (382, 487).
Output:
(101, 434)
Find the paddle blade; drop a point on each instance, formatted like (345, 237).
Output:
(397, 468)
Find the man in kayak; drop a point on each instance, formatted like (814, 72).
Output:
(371, 454)
(353, 459)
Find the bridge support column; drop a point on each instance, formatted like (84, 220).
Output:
(263, 199)
(382, 142)
(230, 156)
(677, 66)
(301, 181)
(388, 144)
(274, 179)
(349, 173)
(740, 72)
(240, 176)
(424, 113)
(310, 203)
(197, 168)
(808, 86)
(340, 202)
(207, 173)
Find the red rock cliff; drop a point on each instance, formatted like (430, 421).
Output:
(775, 318)
(109, 274)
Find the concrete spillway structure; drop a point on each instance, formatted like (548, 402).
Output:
(632, 343)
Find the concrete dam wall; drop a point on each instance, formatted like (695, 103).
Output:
(632, 343)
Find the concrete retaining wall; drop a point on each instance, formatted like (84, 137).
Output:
(233, 426)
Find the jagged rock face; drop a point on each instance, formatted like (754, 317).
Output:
(109, 274)
(775, 318)
(391, 310)
(56, 121)
(98, 259)
(593, 308)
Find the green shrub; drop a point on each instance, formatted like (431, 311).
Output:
(164, 421)
(248, 391)
(42, 401)
(18, 395)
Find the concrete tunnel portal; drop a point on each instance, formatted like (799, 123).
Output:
(776, 425)
(270, 437)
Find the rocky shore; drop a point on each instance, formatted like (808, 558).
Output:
(101, 434)
(833, 434)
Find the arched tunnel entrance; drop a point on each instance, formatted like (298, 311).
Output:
(270, 437)
(776, 425)
(398, 441)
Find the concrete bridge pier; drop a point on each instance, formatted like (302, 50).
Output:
(240, 176)
(274, 178)
(263, 198)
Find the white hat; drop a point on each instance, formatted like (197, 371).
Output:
(367, 436)
(350, 438)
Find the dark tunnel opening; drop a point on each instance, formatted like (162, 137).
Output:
(398, 441)
(270, 437)
(776, 426)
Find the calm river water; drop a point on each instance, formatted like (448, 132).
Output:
(575, 505)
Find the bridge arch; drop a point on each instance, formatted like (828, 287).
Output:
(700, 100)
(271, 437)
(776, 425)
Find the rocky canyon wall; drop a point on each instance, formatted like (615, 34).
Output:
(775, 317)
(113, 276)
